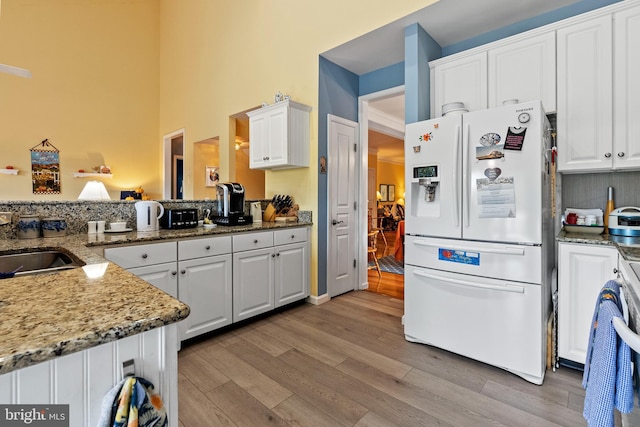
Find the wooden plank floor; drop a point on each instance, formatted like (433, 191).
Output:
(346, 363)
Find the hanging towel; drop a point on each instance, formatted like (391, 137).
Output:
(607, 371)
(133, 402)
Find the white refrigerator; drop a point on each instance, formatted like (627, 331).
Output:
(479, 249)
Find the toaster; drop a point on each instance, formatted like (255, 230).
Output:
(179, 218)
(624, 221)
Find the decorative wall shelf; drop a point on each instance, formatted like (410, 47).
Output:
(83, 174)
(9, 171)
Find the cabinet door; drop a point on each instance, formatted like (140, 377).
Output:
(626, 132)
(205, 285)
(524, 70)
(259, 147)
(291, 273)
(461, 80)
(583, 270)
(162, 276)
(252, 283)
(584, 119)
(278, 137)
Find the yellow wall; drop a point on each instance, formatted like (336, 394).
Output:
(219, 58)
(393, 174)
(94, 92)
(112, 77)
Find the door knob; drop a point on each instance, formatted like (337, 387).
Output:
(334, 222)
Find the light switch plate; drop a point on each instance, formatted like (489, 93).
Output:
(5, 218)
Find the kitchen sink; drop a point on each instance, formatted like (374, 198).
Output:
(36, 262)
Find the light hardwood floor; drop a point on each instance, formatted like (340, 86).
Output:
(346, 363)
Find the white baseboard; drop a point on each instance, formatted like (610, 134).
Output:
(317, 300)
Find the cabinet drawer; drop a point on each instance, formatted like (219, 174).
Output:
(141, 255)
(198, 248)
(246, 242)
(292, 235)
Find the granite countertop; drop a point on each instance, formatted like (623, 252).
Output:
(49, 315)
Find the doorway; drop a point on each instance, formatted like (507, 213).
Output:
(172, 169)
(381, 118)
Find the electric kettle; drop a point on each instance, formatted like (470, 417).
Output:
(147, 214)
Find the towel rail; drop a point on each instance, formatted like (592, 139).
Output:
(630, 337)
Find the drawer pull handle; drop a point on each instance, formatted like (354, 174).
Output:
(207, 247)
(145, 256)
(255, 241)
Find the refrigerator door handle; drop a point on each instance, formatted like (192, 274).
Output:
(466, 141)
(503, 288)
(456, 196)
(507, 250)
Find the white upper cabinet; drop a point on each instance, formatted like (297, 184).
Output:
(279, 135)
(585, 99)
(460, 80)
(626, 86)
(524, 70)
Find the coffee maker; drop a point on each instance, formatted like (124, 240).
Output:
(230, 197)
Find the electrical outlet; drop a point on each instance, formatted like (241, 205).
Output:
(5, 218)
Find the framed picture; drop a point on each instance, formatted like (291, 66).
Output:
(392, 193)
(211, 176)
(383, 192)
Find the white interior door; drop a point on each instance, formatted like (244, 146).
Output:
(342, 181)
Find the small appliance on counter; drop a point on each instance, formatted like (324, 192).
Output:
(625, 221)
(179, 218)
(148, 214)
(230, 198)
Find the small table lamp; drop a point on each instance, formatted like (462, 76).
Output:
(94, 190)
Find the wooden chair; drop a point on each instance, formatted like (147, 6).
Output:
(374, 225)
(372, 250)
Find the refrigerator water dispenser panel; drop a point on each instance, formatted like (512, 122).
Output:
(427, 177)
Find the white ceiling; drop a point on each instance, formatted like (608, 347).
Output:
(447, 21)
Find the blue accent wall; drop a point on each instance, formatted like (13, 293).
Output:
(528, 24)
(419, 49)
(381, 79)
(337, 95)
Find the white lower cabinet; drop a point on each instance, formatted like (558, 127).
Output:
(224, 279)
(582, 271)
(204, 284)
(252, 283)
(270, 269)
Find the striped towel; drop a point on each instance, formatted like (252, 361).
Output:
(607, 371)
(133, 402)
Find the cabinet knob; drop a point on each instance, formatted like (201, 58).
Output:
(255, 241)
(616, 271)
(273, 255)
(621, 154)
(207, 247)
(183, 271)
(293, 236)
(607, 155)
(278, 254)
(173, 273)
(145, 256)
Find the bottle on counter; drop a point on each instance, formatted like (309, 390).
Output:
(610, 207)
